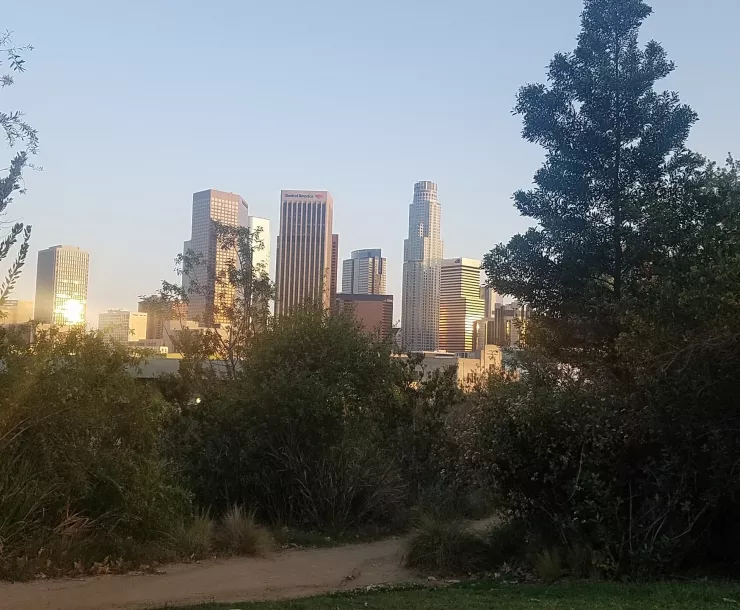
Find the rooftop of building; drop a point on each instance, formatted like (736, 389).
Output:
(345, 296)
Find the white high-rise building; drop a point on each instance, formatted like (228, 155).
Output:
(261, 257)
(212, 296)
(364, 273)
(61, 286)
(422, 258)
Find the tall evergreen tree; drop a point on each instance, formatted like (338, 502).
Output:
(615, 149)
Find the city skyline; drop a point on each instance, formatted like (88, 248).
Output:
(374, 131)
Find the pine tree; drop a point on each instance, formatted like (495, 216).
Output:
(615, 149)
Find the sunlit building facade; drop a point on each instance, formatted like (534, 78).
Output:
(262, 238)
(304, 250)
(15, 312)
(422, 259)
(158, 312)
(123, 326)
(61, 286)
(209, 292)
(460, 304)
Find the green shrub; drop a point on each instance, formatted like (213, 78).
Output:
(322, 430)
(79, 444)
(637, 473)
(446, 548)
(239, 533)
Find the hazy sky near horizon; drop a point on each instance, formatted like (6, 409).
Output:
(138, 104)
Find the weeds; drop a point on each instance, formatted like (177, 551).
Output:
(444, 547)
(196, 538)
(238, 533)
(549, 564)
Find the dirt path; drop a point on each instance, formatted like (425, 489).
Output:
(286, 574)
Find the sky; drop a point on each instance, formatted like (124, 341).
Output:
(140, 103)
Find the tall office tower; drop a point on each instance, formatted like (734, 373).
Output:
(304, 250)
(61, 286)
(260, 229)
(122, 326)
(422, 257)
(211, 207)
(334, 267)
(364, 273)
(15, 312)
(491, 298)
(460, 304)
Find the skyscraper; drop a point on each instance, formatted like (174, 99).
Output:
(460, 304)
(491, 298)
(422, 257)
(211, 296)
(304, 250)
(61, 286)
(261, 258)
(122, 326)
(364, 273)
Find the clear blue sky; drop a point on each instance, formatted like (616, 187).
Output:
(140, 103)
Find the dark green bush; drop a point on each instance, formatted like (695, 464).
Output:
(324, 429)
(79, 447)
(641, 475)
(445, 547)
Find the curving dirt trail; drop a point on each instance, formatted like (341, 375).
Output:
(286, 574)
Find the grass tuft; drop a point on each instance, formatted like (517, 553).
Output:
(195, 539)
(239, 533)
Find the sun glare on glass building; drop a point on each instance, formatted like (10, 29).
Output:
(61, 286)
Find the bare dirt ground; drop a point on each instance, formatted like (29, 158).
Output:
(293, 573)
